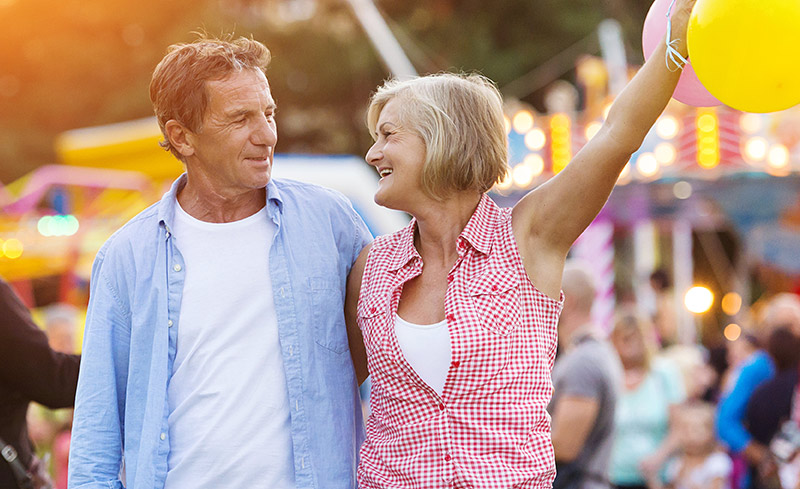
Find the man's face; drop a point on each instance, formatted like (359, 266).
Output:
(234, 147)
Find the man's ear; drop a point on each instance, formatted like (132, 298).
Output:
(179, 137)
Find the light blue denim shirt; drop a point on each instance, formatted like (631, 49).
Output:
(131, 333)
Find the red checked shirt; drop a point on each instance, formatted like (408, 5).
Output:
(490, 427)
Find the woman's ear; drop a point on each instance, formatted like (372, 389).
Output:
(179, 137)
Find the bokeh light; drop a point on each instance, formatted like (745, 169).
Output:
(665, 153)
(756, 149)
(682, 190)
(698, 299)
(523, 121)
(12, 248)
(732, 332)
(647, 164)
(778, 156)
(535, 139)
(592, 129)
(731, 303)
(667, 127)
(750, 123)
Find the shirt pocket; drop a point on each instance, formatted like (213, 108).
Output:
(495, 296)
(372, 313)
(327, 313)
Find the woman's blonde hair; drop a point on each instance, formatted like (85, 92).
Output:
(460, 119)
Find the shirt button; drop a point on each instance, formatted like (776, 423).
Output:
(456, 364)
(177, 268)
(373, 310)
(449, 278)
(448, 458)
(441, 407)
(451, 317)
(169, 323)
(163, 436)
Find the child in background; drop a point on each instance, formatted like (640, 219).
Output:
(699, 464)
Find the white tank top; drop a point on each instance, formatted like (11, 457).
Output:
(427, 349)
(228, 400)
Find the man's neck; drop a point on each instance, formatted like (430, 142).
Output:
(212, 206)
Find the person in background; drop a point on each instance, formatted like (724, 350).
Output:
(215, 352)
(699, 463)
(754, 370)
(652, 388)
(771, 403)
(587, 379)
(664, 316)
(30, 370)
(459, 309)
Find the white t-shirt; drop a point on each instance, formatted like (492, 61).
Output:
(715, 466)
(228, 400)
(427, 349)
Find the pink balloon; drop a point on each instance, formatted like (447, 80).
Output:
(690, 90)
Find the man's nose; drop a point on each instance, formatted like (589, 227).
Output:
(266, 133)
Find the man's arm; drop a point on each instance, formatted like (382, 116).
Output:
(357, 350)
(30, 366)
(572, 422)
(96, 446)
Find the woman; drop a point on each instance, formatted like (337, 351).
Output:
(651, 391)
(458, 310)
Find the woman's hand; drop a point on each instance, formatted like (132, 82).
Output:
(681, 12)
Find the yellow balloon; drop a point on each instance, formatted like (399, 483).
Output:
(747, 52)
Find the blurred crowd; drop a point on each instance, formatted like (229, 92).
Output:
(634, 408)
(50, 429)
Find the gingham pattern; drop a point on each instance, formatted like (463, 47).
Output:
(490, 427)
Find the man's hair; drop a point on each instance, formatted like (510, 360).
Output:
(177, 89)
(579, 286)
(784, 347)
(460, 119)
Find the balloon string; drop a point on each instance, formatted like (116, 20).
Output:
(672, 53)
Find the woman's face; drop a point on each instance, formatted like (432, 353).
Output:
(695, 431)
(399, 155)
(630, 346)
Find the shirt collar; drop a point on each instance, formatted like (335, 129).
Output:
(169, 201)
(406, 250)
(477, 233)
(479, 229)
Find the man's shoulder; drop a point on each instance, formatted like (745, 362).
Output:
(592, 354)
(141, 228)
(297, 191)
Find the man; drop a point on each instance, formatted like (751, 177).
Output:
(587, 378)
(216, 352)
(29, 371)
